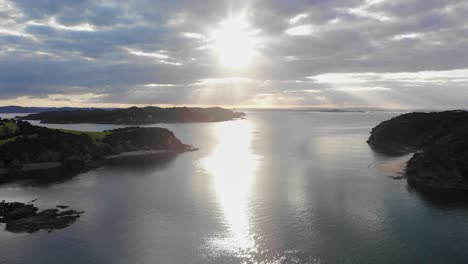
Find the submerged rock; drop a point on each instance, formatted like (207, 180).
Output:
(25, 218)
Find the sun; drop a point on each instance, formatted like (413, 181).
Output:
(235, 42)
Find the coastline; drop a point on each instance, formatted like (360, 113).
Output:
(138, 153)
(43, 169)
(30, 167)
(394, 168)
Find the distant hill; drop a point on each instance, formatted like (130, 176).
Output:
(20, 109)
(326, 110)
(135, 115)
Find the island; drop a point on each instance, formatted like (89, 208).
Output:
(439, 141)
(135, 115)
(14, 109)
(26, 149)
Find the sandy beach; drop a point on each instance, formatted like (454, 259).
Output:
(395, 167)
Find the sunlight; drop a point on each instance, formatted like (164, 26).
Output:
(233, 165)
(235, 42)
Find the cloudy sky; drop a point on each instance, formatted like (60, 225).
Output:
(275, 53)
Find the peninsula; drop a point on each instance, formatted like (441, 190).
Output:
(439, 141)
(25, 148)
(135, 115)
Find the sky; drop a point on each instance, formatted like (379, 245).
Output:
(257, 53)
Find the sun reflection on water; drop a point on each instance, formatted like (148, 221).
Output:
(232, 166)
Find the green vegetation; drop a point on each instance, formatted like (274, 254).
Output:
(3, 141)
(95, 136)
(8, 133)
(440, 142)
(135, 115)
(75, 149)
(7, 129)
(11, 125)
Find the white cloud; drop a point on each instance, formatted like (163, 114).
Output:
(16, 32)
(297, 18)
(366, 11)
(408, 36)
(192, 35)
(52, 22)
(312, 91)
(159, 85)
(341, 78)
(160, 56)
(147, 54)
(302, 30)
(360, 89)
(459, 75)
(215, 81)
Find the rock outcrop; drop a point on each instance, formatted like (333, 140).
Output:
(25, 218)
(440, 140)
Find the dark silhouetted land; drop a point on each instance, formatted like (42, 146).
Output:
(439, 140)
(135, 115)
(25, 147)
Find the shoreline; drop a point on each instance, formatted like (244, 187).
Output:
(31, 167)
(32, 170)
(138, 153)
(394, 168)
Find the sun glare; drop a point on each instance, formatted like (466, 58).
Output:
(235, 43)
(232, 166)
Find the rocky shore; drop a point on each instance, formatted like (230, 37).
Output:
(26, 218)
(440, 140)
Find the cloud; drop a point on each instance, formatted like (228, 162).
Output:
(297, 18)
(52, 23)
(311, 53)
(302, 30)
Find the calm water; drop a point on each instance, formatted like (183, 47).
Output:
(274, 188)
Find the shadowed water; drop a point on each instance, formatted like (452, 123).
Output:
(278, 187)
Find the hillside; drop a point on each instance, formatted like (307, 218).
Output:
(440, 140)
(22, 143)
(135, 115)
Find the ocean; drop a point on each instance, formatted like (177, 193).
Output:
(276, 187)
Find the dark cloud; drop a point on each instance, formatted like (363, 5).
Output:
(112, 49)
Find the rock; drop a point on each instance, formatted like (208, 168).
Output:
(40, 221)
(62, 206)
(25, 218)
(21, 212)
(49, 212)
